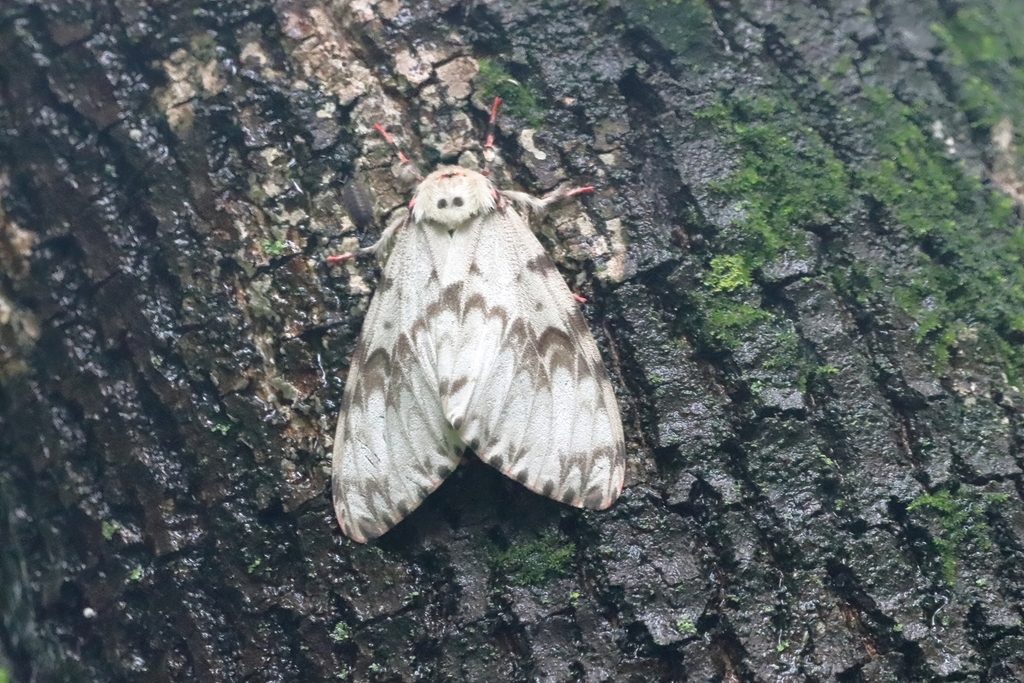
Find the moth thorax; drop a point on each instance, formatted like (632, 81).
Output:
(452, 195)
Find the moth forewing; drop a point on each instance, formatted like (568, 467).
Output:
(541, 408)
(472, 338)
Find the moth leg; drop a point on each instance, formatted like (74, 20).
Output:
(538, 205)
(489, 154)
(377, 246)
(386, 236)
(406, 164)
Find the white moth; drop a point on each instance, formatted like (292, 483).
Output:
(472, 339)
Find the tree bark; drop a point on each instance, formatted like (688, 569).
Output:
(803, 264)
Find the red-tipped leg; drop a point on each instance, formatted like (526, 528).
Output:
(401, 157)
(579, 190)
(391, 141)
(489, 140)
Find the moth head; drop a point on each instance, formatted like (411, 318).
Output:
(452, 195)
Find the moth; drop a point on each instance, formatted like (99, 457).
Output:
(472, 340)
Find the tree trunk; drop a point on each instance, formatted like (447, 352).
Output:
(803, 265)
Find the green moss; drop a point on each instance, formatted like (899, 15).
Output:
(715, 112)
(727, 322)
(728, 273)
(516, 99)
(962, 518)
(911, 178)
(814, 376)
(4, 676)
(341, 632)
(976, 276)
(108, 529)
(964, 280)
(984, 43)
(970, 268)
(273, 248)
(535, 563)
(785, 354)
(787, 181)
(686, 627)
(824, 460)
(656, 380)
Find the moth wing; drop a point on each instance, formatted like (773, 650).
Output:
(393, 445)
(524, 383)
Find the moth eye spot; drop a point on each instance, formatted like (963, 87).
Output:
(441, 203)
(456, 202)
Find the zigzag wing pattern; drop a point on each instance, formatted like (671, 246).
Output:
(393, 445)
(519, 374)
(472, 338)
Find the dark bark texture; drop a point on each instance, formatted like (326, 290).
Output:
(803, 265)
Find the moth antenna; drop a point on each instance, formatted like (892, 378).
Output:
(489, 140)
(398, 150)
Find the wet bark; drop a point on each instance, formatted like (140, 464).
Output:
(802, 263)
